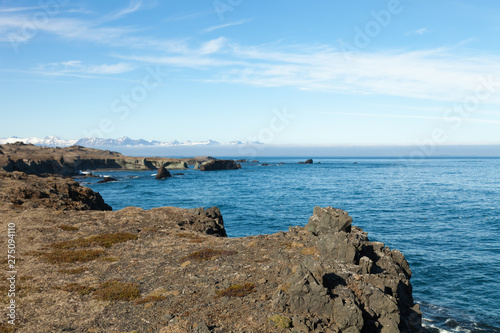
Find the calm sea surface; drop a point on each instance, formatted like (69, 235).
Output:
(443, 214)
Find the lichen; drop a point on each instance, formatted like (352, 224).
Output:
(281, 321)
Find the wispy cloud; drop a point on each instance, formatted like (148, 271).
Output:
(221, 26)
(73, 67)
(190, 16)
(132, 7)
(420, 32)
(213, 46)
(17, 9)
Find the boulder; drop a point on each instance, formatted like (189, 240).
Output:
(208, 221)
(219, 165)
(163, 173)
(107, 180)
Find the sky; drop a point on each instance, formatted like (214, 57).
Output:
(395, 72)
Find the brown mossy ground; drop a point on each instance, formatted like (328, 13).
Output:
(238, 290)
(165, 279)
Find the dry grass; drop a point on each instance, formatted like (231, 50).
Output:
(149, 299)
(71, 256)
(7, 328)
(192, 238)
(237, 290)
(78, 288)
(66, 227)
(104, 240)
(78, 270)
(110, 259)
(207, 254)
(115, 290)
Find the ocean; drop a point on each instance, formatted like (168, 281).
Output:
(442, 213)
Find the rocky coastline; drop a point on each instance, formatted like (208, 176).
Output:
(175, 270)
(70, 160)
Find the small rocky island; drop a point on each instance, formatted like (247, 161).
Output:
(84, 268)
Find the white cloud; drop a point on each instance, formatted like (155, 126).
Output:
(17, 9)
(420, 32)
(190, 16)
(72, 67)
(133, 7)
(213, 46)
(221, 26)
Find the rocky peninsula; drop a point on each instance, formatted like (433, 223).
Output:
(70, 160)
(84, 268)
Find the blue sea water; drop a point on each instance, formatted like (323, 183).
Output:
(443, 214)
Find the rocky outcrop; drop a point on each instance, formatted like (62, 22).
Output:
(208, 221)
(309, 161)
(22, 191)
(354, 286)
(69, 161)
(219, 165)
(107, 180)
(163, 173)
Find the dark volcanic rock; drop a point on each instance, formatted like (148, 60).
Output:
(29, 191)
(219, 165)
(309, 161)
(355, 285)
(107, 180)
(208, 221)
(163, 173)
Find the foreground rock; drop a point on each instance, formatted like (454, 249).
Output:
(172, 270)
(21, 191)
(219, 165)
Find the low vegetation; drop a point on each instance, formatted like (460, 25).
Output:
(116, 290)
(78, 288)
(281, 321)
(66, 227)
(149, 299)
(207, 254)
(78, 270)
(237, 290)
(71, 256)
(104, 240)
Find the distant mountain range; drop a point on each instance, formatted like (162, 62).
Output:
(54, 141)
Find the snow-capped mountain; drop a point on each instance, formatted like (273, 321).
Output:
(49, 141)
(91, 142)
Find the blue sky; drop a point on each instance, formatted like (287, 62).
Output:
(282, 72)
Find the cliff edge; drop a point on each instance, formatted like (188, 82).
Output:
(70, 160)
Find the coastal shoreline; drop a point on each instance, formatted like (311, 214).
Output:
(175, 269)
